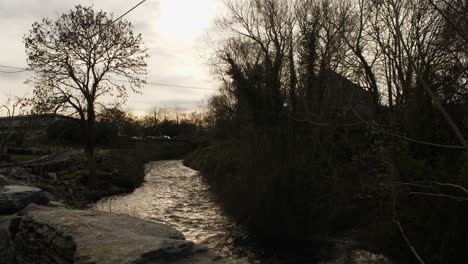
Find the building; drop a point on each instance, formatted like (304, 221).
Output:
(343, 93)
(29, 124)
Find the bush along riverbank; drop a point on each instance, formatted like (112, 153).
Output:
(272, 183)
(351, 125)
(279, 193)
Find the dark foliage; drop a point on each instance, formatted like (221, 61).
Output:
(300, 151)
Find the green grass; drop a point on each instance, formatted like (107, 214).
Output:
(78, 173)
(23, 158)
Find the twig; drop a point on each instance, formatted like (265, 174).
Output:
(452, 185)
(457, 198)
(403, 137)
(396, 220)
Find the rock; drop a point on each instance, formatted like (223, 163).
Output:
(14, 198)
(18, 173)
(56, 204)
(52, 176)
(3, 180)
(6, 250)
(350, 253)
(58, 235)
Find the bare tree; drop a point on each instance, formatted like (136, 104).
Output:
(75, 60)
(353, 26)
(267, 25)
(13, 107)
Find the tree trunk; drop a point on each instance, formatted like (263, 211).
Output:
(293, 79)
(90, 147)
(4, 149)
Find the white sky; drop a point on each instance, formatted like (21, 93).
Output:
(173, 30)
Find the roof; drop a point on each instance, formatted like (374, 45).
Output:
(39, 120)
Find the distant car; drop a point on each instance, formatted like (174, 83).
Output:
(163, 137)
(136, 139)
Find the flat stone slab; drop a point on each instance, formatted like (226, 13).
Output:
(13, 198)
(41, 234)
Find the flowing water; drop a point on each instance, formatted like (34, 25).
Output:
(177, 195)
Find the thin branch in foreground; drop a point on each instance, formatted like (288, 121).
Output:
(396, 220)
(457, 198)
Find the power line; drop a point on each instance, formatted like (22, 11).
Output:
(404, 137)
(16, 71)
(12, 67)
(13, 71)
(110, 24)
(120, 17)
(174, 85)
(182, 86)
(149, 83)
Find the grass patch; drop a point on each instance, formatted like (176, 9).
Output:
(78, 173)
(23, 158)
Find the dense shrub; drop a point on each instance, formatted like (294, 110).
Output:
(164, 150)
(292, 183)
(129, 165)
(129, 160)
(65, 132)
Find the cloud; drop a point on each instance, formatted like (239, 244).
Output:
(172, 30)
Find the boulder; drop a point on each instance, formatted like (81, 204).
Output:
(52, 176)
(3, 180)
(18, 173)
(14, 198)
(349, 252)
(6, 252)
(42, 234)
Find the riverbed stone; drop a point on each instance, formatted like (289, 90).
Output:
(6, 252)
(3, 180)
(18, 173)
(52, 176)
(13, 198)
(348, 252)
(42, 234)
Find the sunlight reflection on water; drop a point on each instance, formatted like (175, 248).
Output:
(176, 195)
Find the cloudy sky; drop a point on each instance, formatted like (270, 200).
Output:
(175, 31)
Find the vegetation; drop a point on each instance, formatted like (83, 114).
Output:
(22, 158)
(76, 60)
(340, 116)
(12, 108)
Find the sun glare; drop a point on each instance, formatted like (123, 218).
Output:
(183, 21)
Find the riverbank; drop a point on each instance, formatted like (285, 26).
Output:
(63, 171)
(280, 220)
(51, 233)
(177, 195)
(59, 233)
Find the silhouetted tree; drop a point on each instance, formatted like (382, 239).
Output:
(75, 60)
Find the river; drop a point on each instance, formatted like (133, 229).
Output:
(178, 196)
